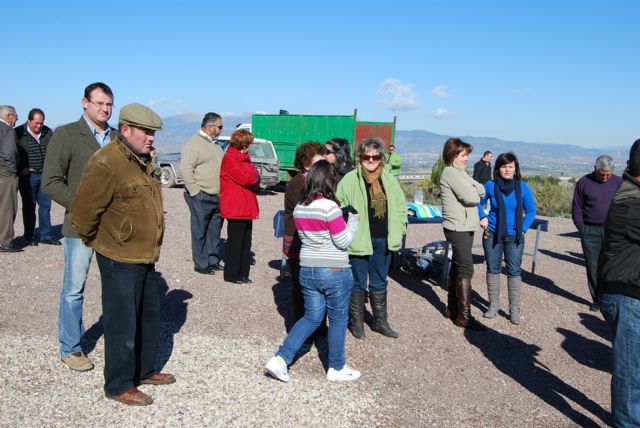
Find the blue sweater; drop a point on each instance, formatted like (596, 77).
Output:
(528, 204)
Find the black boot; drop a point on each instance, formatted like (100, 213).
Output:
(379, 309)
(356, 315)
(452, 302)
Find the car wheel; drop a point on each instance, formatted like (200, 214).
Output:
(167, 178)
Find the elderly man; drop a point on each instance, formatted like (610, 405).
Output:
(592, 198)
(619, 293)
(68, 153)
(33, 139)
(394, 161)
(200, 164)
(8, 178)
(118, 212)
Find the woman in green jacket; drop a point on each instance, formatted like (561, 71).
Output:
(460, 195)
(377, 196)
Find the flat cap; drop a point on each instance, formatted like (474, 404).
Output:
(136, 114)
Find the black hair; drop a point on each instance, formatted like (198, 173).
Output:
(340, 147)
(33, 112)
(633, 165)
(321, 181)
(98, 85)
(503, 159)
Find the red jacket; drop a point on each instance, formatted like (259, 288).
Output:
(237, 177)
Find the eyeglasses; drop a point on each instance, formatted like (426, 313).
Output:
(217, 126)
(375, 158)
(102, 105)
(330, 152)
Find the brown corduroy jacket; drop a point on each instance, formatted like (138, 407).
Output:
(117, 209)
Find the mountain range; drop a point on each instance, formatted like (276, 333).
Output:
(420, 148)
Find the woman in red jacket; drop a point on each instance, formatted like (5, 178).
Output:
(239, 205)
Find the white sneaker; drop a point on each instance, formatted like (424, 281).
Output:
(277, 368)
(347, 373)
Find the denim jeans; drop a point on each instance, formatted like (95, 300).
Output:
(131, 319)
(77, 259)
(206, 225)
(372, 269)
(323, 289)
(508, 248)
(622, 313)
(44, 207)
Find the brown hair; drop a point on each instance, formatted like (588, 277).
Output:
(452, 148)
(241, 139)
(306, 152)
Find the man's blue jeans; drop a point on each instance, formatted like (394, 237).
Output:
(323, 289)
(77, 259)
(44, 206)
(372, 269)
(512, 255)
(622, 313)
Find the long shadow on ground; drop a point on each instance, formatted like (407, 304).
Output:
(173, 315)
(575, 258)
(550, 286)
(518, 360)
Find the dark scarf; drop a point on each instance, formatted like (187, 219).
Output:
(506, 187)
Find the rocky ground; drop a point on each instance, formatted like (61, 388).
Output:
(552, 370)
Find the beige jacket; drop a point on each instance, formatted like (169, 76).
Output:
(200, 165)
(460, 195)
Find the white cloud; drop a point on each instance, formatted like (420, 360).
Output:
(164, 102)
(441, 113)
(227, 113)
(440, 91)
(396, 96)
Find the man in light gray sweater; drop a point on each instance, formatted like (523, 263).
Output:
(200, 164)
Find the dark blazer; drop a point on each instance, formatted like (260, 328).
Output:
(70, 149)
(8, 151)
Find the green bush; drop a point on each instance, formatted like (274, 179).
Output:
(553, 198)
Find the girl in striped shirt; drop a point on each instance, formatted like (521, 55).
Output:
(325, 273)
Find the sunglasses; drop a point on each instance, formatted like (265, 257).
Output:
(374, 158)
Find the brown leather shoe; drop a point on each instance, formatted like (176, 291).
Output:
(132, 397)
(159, 379)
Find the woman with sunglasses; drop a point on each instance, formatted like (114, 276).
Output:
(505, 226)
(373, 192)
(460, 196)
(339, 154)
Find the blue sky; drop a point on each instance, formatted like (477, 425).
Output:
(539, 71)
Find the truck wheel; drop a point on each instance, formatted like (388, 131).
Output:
(167, 178)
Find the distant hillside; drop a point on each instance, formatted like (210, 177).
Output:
(421, 148)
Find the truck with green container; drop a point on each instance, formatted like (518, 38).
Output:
(288, 131)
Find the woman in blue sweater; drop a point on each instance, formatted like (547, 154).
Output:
(504, 228)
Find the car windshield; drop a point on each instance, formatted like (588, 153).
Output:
(261, 150)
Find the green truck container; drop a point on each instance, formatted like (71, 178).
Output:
(288, 131)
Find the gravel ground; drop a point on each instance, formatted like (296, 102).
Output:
(552, 370)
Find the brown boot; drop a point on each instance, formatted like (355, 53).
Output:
(464, 318)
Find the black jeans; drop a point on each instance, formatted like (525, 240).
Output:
(461, 243)
(131, 320)
(592, 239)
(206, 224)
(237, 250)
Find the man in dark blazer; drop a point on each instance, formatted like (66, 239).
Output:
(8, 177)
(68, 153)
(33, 139)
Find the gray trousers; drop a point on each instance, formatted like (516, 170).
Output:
(592, 238)
(8, 208)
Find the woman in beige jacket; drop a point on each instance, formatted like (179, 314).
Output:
(460, 196)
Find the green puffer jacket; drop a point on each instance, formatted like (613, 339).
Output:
(353, 191)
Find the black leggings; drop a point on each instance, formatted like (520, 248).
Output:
(461, 242)
(237, 250)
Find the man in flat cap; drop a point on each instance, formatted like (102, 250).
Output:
(68, 152)
(118, 212)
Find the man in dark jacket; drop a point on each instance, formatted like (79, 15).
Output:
(482, 168)
(592, 198)
(8, 178)
(33, 139)
(69, 151)
(619, 293)
(118, 212)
